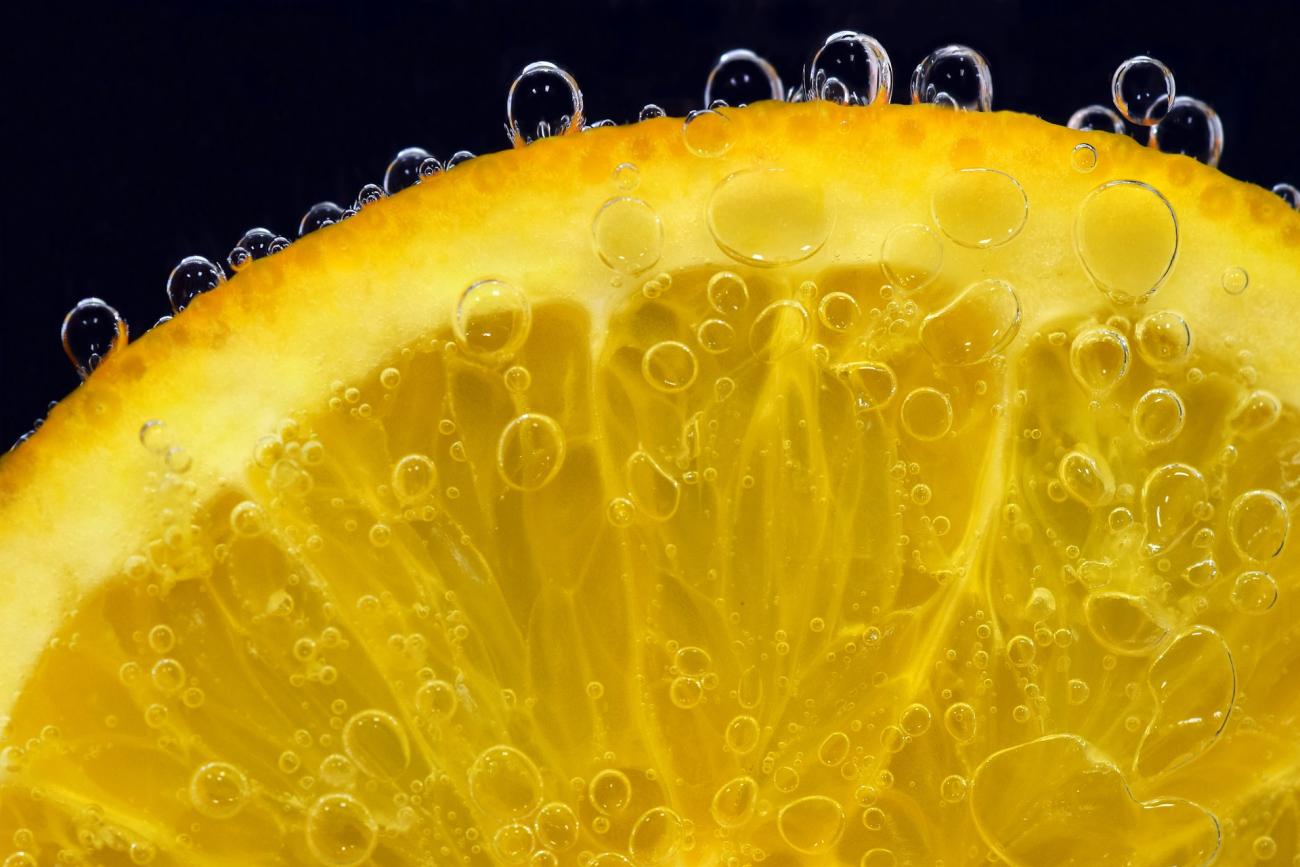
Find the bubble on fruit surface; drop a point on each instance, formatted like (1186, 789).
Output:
(492, 319)
(1100, 118)
(530, 451)
(1164, 339)
(959, 720)
(1255, 412)
(1142, 89)
(1083, 157)
(413, 478)
(436, 699)
(669, 366)
(1099, 358)
(872, 384)
(979, 208)
(1258, 523)
(219, 790)
(1086, 478)
(728, 293)
(654, 492)
(656, 836)
(1254, 592)
(1170, 497)
(734, 801)
(628, 235)
(650, 112)
(514, 842)
(1191, 128)
(954, 76)
(685, 692)
(915, 719)
(742, 734)
(255, 244)
(610, 791)
(377, 742)
(926, 413)
(556, 826)
(1234, 280)
(834, 749)
(778, 330)
(91, 332)
(1288, 193)
(851, 68)
(369, 194)
(1123, 623)
(1194, 682)
(319, 216)
(191, 278)
(456, 159)
(911, 256)
(839, 311)
(430, 167)
(812, 824)
(627, 177)
(768, 217)
(405, 169)
(505, 783)
(1126, 237)
(974, 326)
(1158, 416)
(740, 77)
(715, 336)
(248, 519)
(341, 831)
(707, 133)
(543, 100)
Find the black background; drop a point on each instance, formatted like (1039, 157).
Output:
(139, 133)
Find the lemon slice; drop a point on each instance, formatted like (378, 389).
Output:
(847, 486)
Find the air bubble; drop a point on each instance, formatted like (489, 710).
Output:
(1288, 193)
(1143, 90)
(517, 379)
(1096, 117)
(910, 256)
(91, 332)
(543, 101)
(376, 741)
(1083, 158)
(1099, 358)
(778, 330)
(341, 832)
(656, 836)
(219, 790)
(628, 235)
(733, 804)
(430, 167)
(492, 319)
(192, 277)
(1258, 523)
(369, 195)
(812, 824)
(740, 77)
(727, 293)
(319, 216)
(1164, 339)
(413, 478)
(1126, 236)
(954, 76)
(926, 414)
(1192, 128)
(669, 366)
(976, 325)
(715, 336)
(556, 826)
(960, 722)
(1158, 416)
(405, 170)
(1235, 280)
(707, 133)
(436, 700)
(741, 734)
(626, 177)
(610, 791)
(839, 311)
(1170, 496)
(530, 451)
(852, 69)
(768, 217)
(650, 112)
(505, 783)
(457, 158)
(1254, 592)
(255, 244)
(980, 207)
(872, 385)
(1086, 478)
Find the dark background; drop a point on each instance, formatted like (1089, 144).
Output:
(139, 133)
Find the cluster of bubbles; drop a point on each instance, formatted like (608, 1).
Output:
(849, 68)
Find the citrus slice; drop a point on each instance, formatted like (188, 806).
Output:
(824, 485)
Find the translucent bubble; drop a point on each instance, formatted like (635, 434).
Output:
(650, 112)
(1288, 193)
(1254, 592)
(556, 826)
(255, 244)
(369, 194)
(740, 217)
(248, 519)
(911, 256)
(610, 791)
(980, 207)
(1164, 339)
(430, 167)
(505, 783)
(436, 699)
(517, 379)
(669, 366)
(319, 216)
(954, 76)
(628, 235)
(1126, 236)
(960, 722)
(872, 385)
(839, 311)
(926, 413)
(740, 77)
(915, 719)
(1190, 127)
(656, 836)
(741, 734)
(92, 330)
(1258, 522)
(457, 158)
(715, 336)
(727, 293)
(405, 169)
(620, 512)
(953, 788)
(1143, 90)
(1099, 358)
(1170, 496)
(492, 320)
(543, 101)
(1158, 416)
(413, 478)
(376, 741)
(1234, 280)
(707, 133)
(514, 842)
(530, 451)
(192, 277)
(878, 857)
(1096, 117)
(655, 493)
(778, 330)
(626, 177)
(1083, 158)
(976, 325)
(812, 824)
(1086, 478)
(341, 832)
(852, 69)
(219, 790)
(734, 801)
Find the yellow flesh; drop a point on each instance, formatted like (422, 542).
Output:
(833, 595)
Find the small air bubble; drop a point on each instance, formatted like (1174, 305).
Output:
(954, 76)
(1143, 90)
(543, 101)
(92, 330)
(319, 216)
(1083, 158)
(192, 277)
(406, 169)
(254, 244)
(1192, 128)
(1288, 194)
(1096, 118)
(852, 69)
(741, 77)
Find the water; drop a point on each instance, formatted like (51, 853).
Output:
(954, 76)
(1142, 89)
(544, 100)
(255, 244)
(319, 216)
(406, 169)
(1096, 117)
(740, 77)
(852, 69)
(1190, 127)
(91, 332)
(192, 277)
